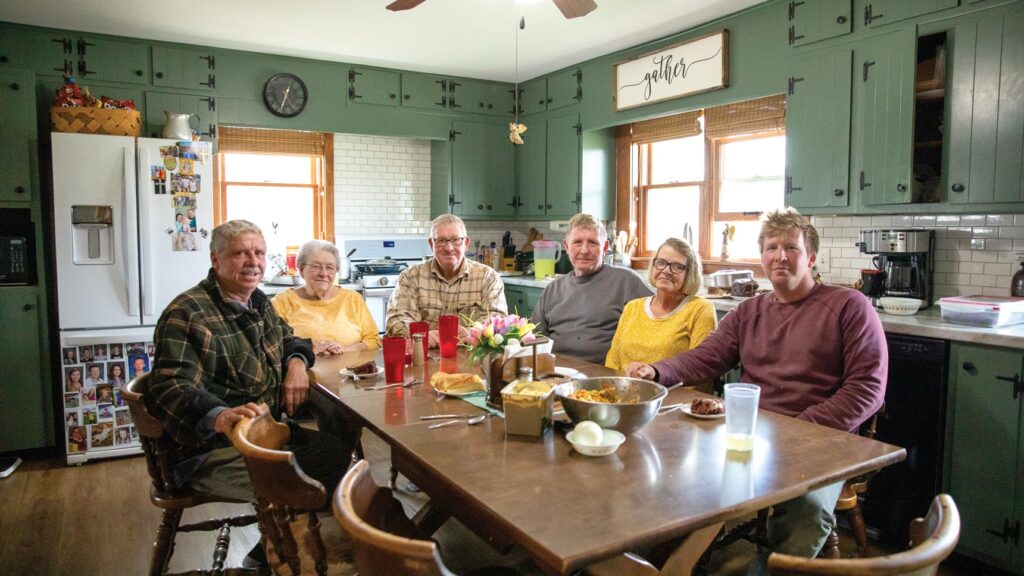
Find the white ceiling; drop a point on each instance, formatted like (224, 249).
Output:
(473, 38)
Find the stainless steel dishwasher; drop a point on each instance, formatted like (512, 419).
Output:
(914, 418)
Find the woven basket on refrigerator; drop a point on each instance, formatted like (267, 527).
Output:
(96, 121)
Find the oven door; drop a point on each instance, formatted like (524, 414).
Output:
(377, 302)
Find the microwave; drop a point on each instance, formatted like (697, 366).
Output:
(14, 260)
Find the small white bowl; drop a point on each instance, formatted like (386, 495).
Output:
(900, 306)
(609, 443)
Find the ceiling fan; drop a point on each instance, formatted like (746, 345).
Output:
(569, 8)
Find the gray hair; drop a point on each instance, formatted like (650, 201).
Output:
(313, 246)
(223, 234)
(587, 222)
(447, 220)
(694, 272)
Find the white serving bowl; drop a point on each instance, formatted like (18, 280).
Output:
(900, 306)
(609, 443)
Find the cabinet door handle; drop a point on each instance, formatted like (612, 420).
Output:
(838, 192)
(159, 74)
(138, 72)
(479, 206)
(958, 187)
(841, 20)
(968, 367)
(15, 86)
(19, 190)
(27, 307)
(901, 187)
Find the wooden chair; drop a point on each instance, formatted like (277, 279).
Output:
(162, 453)
(932, 538)
(848, 504)
(385, 541)
(288, 501)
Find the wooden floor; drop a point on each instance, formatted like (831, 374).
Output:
(96, 519)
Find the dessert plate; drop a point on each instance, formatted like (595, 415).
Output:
(350, 374)
(686, 410)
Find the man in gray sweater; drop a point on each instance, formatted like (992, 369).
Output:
(580, 311)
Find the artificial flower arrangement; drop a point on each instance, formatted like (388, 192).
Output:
(493, 335)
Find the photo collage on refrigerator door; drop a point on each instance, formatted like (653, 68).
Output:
(178, 179)
(95, 414)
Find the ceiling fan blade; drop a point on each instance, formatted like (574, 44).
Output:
(403, 5)
(575, 8)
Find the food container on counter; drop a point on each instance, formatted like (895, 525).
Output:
(528, 407)
(724, 278)
(990, 311)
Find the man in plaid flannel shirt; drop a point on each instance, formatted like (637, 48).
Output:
(224, 354)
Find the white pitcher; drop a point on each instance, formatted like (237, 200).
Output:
(178, 125)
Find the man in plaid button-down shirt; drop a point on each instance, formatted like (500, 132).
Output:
(447, 284)
(222, 353)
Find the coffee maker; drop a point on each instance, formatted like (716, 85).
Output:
(904, 263)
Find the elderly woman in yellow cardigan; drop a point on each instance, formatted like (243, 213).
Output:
(674, 320)
(335, 318)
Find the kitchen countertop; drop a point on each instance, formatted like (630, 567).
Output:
(928, 323)
(525, 281)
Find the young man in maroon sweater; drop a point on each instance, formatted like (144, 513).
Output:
(817, 351)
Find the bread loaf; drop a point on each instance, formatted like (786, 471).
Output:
(457, 383)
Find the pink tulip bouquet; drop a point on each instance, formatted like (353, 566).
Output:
(494, 334)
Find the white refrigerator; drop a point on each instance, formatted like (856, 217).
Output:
(132, 218)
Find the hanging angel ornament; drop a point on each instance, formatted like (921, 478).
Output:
(514, 131)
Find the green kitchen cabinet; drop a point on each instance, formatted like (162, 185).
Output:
(368, 86)
(482, 173)
(480, 97)
(818, 131)
(818, 20)
(531, 296)
(203, 106)
(184, 68)
(548, 168)
(17, 135)
(514, 299)
(531, 175)
(33, 50)
(552, 92)
(424, 92)
(563, 170)
(880, 12)
(986, 128)
(111, 61)
(884, 94)
(25, 410)
(986, 456)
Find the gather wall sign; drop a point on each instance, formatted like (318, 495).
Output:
(690, 67)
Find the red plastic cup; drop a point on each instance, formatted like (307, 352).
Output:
(421, 328)
(448, 334)
(394, 359)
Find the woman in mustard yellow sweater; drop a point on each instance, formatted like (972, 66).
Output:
(674, 320)
(335, 318)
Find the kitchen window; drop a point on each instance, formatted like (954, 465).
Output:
(280, 180)
(703, 174)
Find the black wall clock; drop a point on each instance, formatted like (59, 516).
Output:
(285, 95)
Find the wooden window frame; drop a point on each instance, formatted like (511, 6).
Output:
(322, 187)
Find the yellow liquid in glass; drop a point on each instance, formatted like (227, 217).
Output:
(542, 268)
(739, 442)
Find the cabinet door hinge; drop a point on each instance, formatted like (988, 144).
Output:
(1018, 384)
(793, 37)
(792, 9)
(579, 128)
(862, 183)
(792, 84)
(869, 15)
(211, 81)
(1009, 533)
(211, 103)
(867, 65)
(211, 62)
(452, 134)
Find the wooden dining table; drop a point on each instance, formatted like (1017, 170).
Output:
(672, 478)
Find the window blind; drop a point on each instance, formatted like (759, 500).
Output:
(259, 140)
(766, 114)
(675, 126)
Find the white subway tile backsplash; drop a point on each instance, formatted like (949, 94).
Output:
(999, 220)
(947, 220)
(902, 221)
(924, 221)
(973, 220)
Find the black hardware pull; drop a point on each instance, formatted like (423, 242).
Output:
(210, 61)
(549, 100)
(1018, 384)
(211, 103)
(452, 134)
(138, 72)
(901, 187)
(958, 188)
(869, 15)
(838, 192)
(27, 307)
(479, 206)
(19, 190)
(4, 60)
(405, 96)
(352, 93)
(211, 81)
(841, 20)
(392, 96)
(968, 367)
(451, 200)
(489, 207)
(792, 84)
(866, 66)
(15, 86)
(159, 74)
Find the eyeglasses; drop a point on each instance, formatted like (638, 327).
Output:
(449, 242)
(675, 267)
(318, 268)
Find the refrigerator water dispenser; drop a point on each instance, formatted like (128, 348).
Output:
(92, 235)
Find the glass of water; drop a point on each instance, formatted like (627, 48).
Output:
(741, 402)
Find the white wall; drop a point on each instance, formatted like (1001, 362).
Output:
(975, 254)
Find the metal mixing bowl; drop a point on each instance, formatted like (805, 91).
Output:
(640, 400)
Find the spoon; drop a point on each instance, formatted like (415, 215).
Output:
(471, 422)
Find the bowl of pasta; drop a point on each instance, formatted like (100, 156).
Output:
(617, 403)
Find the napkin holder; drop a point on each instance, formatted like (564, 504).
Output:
(505, 369)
